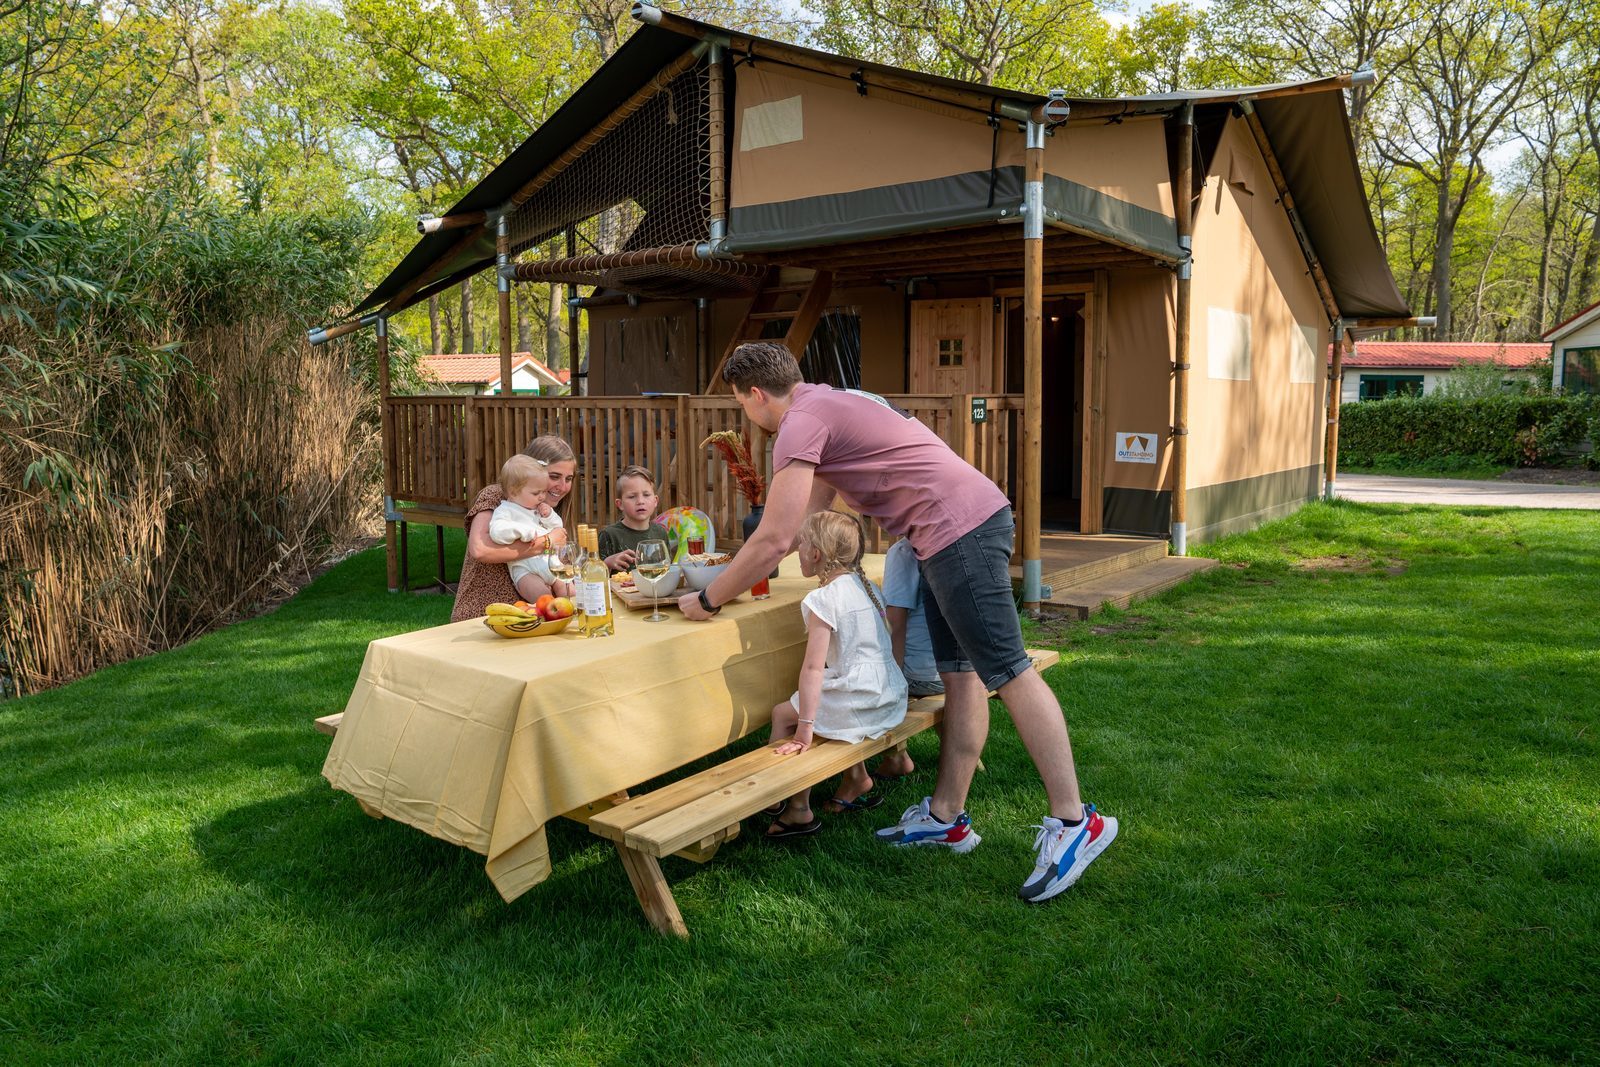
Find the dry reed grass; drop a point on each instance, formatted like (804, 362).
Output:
(174, 512)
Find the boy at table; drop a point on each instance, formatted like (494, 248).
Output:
(886, 465)
(637, 501)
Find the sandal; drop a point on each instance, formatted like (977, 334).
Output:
(781, 831)
(772, 811)
(840, 806)
(885, 778)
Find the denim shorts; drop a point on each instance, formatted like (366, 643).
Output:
(972, 614)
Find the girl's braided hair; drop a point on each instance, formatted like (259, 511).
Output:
(841, 542)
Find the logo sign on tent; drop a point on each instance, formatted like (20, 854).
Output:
(1136, 447)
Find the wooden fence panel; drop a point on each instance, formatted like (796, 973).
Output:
(443, 448)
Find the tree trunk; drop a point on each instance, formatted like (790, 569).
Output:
(433, 324)
(1444, 243)
(449, 332)
(468, 341)
(553, 348)
(519, 300)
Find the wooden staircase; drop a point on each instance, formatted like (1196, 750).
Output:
(1086, 574)
(803, 319)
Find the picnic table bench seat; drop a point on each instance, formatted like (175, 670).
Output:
(694, 815)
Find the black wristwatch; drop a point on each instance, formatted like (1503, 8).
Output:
(704, 603)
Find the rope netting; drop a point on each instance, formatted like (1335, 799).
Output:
(637, 200)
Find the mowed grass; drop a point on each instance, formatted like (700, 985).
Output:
(1360, 805)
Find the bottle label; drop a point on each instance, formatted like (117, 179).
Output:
(592, 598)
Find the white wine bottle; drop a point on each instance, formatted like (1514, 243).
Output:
(594, 592)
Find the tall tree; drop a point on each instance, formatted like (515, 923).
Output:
(1452, 102)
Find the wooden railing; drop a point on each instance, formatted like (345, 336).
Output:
(441, 450)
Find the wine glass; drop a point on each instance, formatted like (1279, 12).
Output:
(562, 560)
(652, 566)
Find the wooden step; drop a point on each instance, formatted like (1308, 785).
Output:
(1073, 561)
(1123, 587)
(328, 724)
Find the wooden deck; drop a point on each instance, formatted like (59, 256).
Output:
(1086, 573)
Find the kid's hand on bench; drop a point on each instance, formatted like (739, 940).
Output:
(791, 747)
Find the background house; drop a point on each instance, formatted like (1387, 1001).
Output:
(1378, 369)
(478, 374)
(1575, 352)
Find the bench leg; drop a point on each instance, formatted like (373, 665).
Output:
(655, 896)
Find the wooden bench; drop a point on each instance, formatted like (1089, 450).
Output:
(698, 813)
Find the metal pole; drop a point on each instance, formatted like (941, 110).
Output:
(1183, 203)
(502, 258)
(1032, 361)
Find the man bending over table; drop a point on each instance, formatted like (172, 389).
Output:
(892, 468)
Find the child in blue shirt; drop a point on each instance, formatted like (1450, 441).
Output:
(903, 596)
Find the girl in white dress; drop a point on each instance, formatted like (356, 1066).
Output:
(850, 687)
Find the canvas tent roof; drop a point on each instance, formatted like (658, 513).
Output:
(1308, 129)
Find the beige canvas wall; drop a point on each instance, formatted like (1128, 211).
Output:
(845, 141)
(1127, 160)
(1139, 334)
(1248, 266)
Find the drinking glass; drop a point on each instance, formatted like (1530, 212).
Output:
(652, 565)
(562, 560)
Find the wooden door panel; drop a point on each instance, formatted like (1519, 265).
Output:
(952, 346)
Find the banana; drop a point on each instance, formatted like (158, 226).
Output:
(509, 609)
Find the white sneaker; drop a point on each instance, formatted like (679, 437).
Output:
(1064, 853)
(918, 827)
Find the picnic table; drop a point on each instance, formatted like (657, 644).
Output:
(481, 741)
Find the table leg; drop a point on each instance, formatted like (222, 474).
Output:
(655, 896)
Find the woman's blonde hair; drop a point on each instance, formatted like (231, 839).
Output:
(840, 541)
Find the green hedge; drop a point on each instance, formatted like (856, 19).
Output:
(1513, 431)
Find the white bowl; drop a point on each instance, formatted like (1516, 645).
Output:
(700, 576)
(662, 586)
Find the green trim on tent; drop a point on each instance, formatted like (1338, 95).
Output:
(958, 200)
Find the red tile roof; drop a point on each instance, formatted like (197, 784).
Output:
(483, 368)
(1444, 355)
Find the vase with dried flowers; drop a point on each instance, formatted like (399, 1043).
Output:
(734, 447)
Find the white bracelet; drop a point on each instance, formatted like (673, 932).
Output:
(808, 722)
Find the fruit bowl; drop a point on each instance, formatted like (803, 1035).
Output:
(659, 587)
(507, 620)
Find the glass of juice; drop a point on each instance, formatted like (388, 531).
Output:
(761, 590)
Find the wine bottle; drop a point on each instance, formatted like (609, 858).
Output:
(594, 592)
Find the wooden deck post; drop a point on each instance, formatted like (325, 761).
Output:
(390, 530)
(1183, 203)
(572, 317)
(1032, 355)
(1330, 461)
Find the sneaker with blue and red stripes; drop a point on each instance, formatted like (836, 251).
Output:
(1065, 851)
(918, 827)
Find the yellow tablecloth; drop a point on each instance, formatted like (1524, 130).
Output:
(481, 740)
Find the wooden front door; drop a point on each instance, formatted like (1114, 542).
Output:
(952, 346)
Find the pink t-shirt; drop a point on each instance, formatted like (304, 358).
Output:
(887, 466)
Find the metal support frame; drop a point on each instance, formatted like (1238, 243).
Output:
(1183, 205)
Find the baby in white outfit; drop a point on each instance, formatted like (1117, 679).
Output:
(525, 515)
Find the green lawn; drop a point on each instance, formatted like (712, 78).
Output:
(1360, 807)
